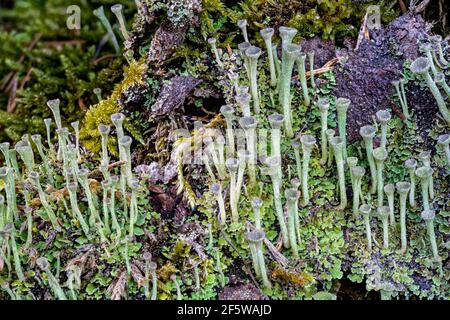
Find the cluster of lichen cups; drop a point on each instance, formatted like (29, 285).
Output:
(44, 195)
(434, 61)
(333, 149)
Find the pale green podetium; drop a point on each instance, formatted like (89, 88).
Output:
(324, 105)
(257, 204)
(301, 69)
(351, 163)
(311, 68)
(368, 133)
(255, 239)
(249, 125)
(118, 119)
(117, 9)
(228, 113)
(72, 187)
(244, 156)
(411, 165)
(440, 80)
(232, 166)
(444, 142)
(292, 196)
(365, 211)
(389, 190)
(76, 128)
(425, 157)
(242, 24)
(100, 14)
(243, 100)
(253, 53)
(424, 173)
(342, 105)
(276, 121)
(357, 173)
(383, 215)
(383, 117)
(44, 265)
(267, 35)
(308, 143)
(273, 164)
(212, 42)
(296, 145)
(428, 216)
(290, 54)
(338, 146)
(216, 189)
(421, 66)
(104, 133)
(380, 155)
(403, 189)
(330, 135)
(98, 94)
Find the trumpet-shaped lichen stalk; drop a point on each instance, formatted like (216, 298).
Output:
(98, 94)
(10, 230)
(425, 157)
(276, 121)
(34, 178)
(324, 105)
(338, 147)
(287, 35)
(112, 206)
(216, 189)
(257, 203)
(228, 113)
(436, 40)
(401, 97)
(342, 105)
(117, 9)
(351, 163)
(253, 53)
(368, 133)
(206, 162)
(311, 68)
(104, 132)
(25, 151)
(383, 215)
(211, 150)
(12, 154)
(403, 188)
(308, 143)
(276, 60)
(100, 14)
(421, 66)
(440, 80)
(234, 79)
(4, 148)
(243, 100)
(358, 173)
(411, 165)
(296, 145)
(389, 190)
(232, 165)
(134, 186)
(273, 164)
(428, 216)
(292, 196)
(37, 139)
(219, 145)
(444, 142)
(255, 239)
(54, 107)
(117, 119)
(72, 188)
(76, 127)
(212, 42)
(63, 135)
(427, 49)
(383, 117)
(125, 144)
(48, 123)
(83, 176)
(249, 125)
(242, 48)
(44, 265)
(365, 212)
(290, 54)
(174, 279)
(405, 100)
(243, 156)
(424, 173)
(242, 24)
(152, 268)
(330, 134)
(380, 155)
(7, 176)
(267, 35)
(301, 61)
